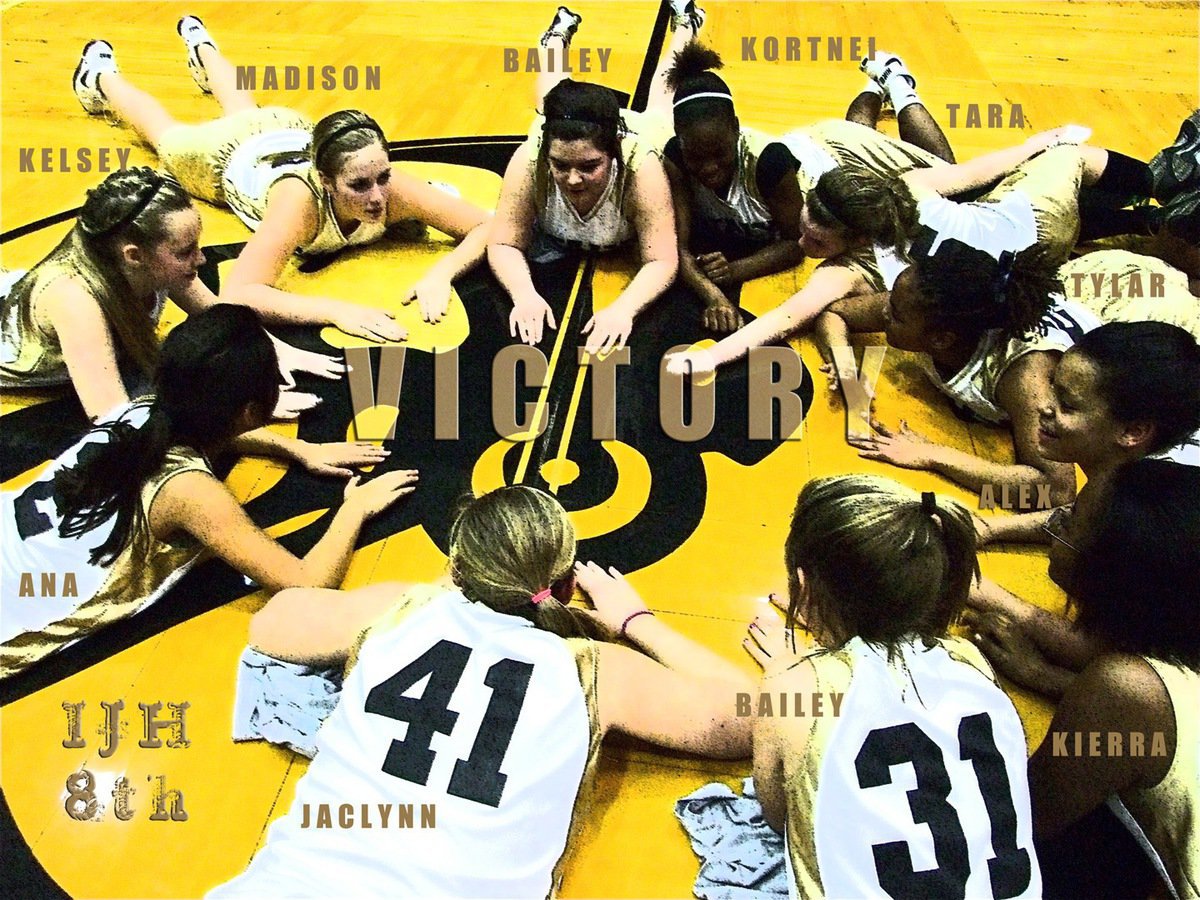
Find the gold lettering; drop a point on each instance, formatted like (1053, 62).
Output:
(765, 391)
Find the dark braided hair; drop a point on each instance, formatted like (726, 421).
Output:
(968, 291)
(129, 207)
(211, 367)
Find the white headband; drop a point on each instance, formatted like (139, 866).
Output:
(701, 96)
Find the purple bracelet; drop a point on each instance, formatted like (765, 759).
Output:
(629, 618)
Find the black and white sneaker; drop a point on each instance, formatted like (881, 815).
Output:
(564, 26)
(685, 13)
(195, 35)
(1177, 168)
(883, 66)
(96, 59)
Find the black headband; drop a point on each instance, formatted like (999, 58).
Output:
(823, 211)
(1003, 274)
(600, 121)
(370, 125)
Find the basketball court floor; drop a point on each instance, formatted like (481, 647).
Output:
(698, 527)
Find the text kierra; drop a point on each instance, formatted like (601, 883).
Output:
(582, 56)
(797, 705)
(1110, 744)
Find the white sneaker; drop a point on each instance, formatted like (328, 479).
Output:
(884, 65)
(195, 35)
(97, 58)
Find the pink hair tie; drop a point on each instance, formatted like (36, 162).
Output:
(540, 596)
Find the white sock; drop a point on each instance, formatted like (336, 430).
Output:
(873, 87)
(902, 93)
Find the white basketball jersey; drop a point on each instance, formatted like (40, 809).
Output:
(31, 547)
(922, 788)
(812, 159)
(452, 708)
(1009, 223)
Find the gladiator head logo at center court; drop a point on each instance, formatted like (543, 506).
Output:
(635, 494)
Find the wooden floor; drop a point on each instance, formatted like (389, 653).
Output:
(1127, 69)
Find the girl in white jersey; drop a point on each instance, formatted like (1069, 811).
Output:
(848, 219)
(1128, 555)
(134, 504)
(583, 179)
(483, 705)
(302, 188)
(912, 781)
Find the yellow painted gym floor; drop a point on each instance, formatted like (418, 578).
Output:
(1126, 69)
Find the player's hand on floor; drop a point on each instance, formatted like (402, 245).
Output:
(722, 316)
(904, 448)
(528, 316)
(291, 403)
(608, 329)
(372, 324)
(693, 362)
(379, 493)
(433, 297)
(293, 360)
(770, 642)
(339, 458)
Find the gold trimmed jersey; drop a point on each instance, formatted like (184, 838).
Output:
(85, 596)
(478, 725)
(918, 788)
(1036, 204)
(30, 352)
(851, 144)
(743, 209)
(1168, 812)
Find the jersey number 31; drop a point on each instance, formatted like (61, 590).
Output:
(1010, 868)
